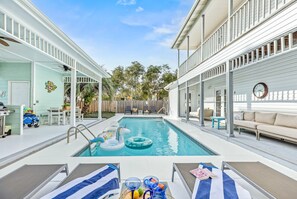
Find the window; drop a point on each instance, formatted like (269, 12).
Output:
(265, 51)
(250, 57)
(295, 38)
(271, 48)
(260, 53)
(287, 42)
(279, 45)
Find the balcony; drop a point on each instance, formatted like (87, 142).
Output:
(248, 16)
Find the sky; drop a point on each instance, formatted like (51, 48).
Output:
(117, 32)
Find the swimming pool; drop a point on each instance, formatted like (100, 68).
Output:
(167, 140)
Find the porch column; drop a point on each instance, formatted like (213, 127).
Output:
(33, 86)
(100, 99)
(188, 52)
(73, 97)
(202, 36)
(178, 60)
(229, 98)
(229, 22)
(187, 101)
(201, 120)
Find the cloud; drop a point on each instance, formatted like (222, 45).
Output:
(126, 2)
(139, 9)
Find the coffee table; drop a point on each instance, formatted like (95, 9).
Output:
(218, 120)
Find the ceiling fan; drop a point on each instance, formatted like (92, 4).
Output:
(4, 43)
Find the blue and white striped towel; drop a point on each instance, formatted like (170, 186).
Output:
(221, 186)
(98, 184)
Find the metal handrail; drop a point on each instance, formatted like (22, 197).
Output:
(84, 129)
(76, 129)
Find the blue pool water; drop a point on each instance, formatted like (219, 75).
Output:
(167, 140)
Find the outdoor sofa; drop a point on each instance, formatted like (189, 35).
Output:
(278, 125)
(208, 113)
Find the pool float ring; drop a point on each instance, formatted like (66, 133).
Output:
(112, 145)
(138, 142)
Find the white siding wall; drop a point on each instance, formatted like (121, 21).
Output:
(280, 75)
(173, 103)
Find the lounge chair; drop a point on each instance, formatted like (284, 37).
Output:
(134, 110)
(86, 180)
(153, 109)
(183, 171)
(222, 186)
(28, 180)
(128, 110)
(267, 180)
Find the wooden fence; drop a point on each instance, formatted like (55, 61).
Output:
(119, 106)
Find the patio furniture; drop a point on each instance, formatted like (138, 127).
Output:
(153, 109)
(78, 114)
(134, 110)
(216, 187)
(183, 171)
(278, 125)
(89, 180)
(140, 112)
(267, 180)
(28, 180)
(128, 110)
(208, 113)
(58, 114)
(216, 120)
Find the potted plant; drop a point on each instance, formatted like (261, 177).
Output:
(66, 106)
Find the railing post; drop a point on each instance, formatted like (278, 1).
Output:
(229, 22)
(187, 101)
(188, 53)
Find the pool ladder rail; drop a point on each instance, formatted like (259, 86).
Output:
(77, 129)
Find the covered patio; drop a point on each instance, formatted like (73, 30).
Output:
(36, 60)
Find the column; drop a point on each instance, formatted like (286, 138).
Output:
(73, 97)
(178, 61)
(188, 52)
(100, 99)
(202, 36)
(229, 22)
(33, 86)
(229, 86)
(201, 120)
(187, 102)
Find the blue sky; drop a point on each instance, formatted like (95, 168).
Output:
(117, 32)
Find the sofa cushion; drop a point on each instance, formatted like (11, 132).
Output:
(238, 115)
(278, 130)
(286, 120)
(267, 118)
(247, 124)
(249, 116)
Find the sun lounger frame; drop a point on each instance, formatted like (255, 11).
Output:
(84, 169)
(183, 171)
(284, 187)
(28, 172)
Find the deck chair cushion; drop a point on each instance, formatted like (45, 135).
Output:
(222, 186)
(98, 184)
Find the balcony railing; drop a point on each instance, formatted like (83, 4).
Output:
(246, 17)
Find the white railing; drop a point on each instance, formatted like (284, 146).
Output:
(247, 16)
(215, 42)
(194, 59)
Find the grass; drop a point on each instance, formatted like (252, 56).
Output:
(95, 115)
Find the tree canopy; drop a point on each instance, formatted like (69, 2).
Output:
(140, 83)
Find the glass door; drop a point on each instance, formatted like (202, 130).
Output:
(220, 102)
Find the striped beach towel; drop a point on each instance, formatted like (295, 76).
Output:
(221, 186)
(98, 184)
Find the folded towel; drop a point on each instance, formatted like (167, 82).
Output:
(221, 186)
(98, 184)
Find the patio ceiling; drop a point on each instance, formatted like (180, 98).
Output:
(215, 12)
